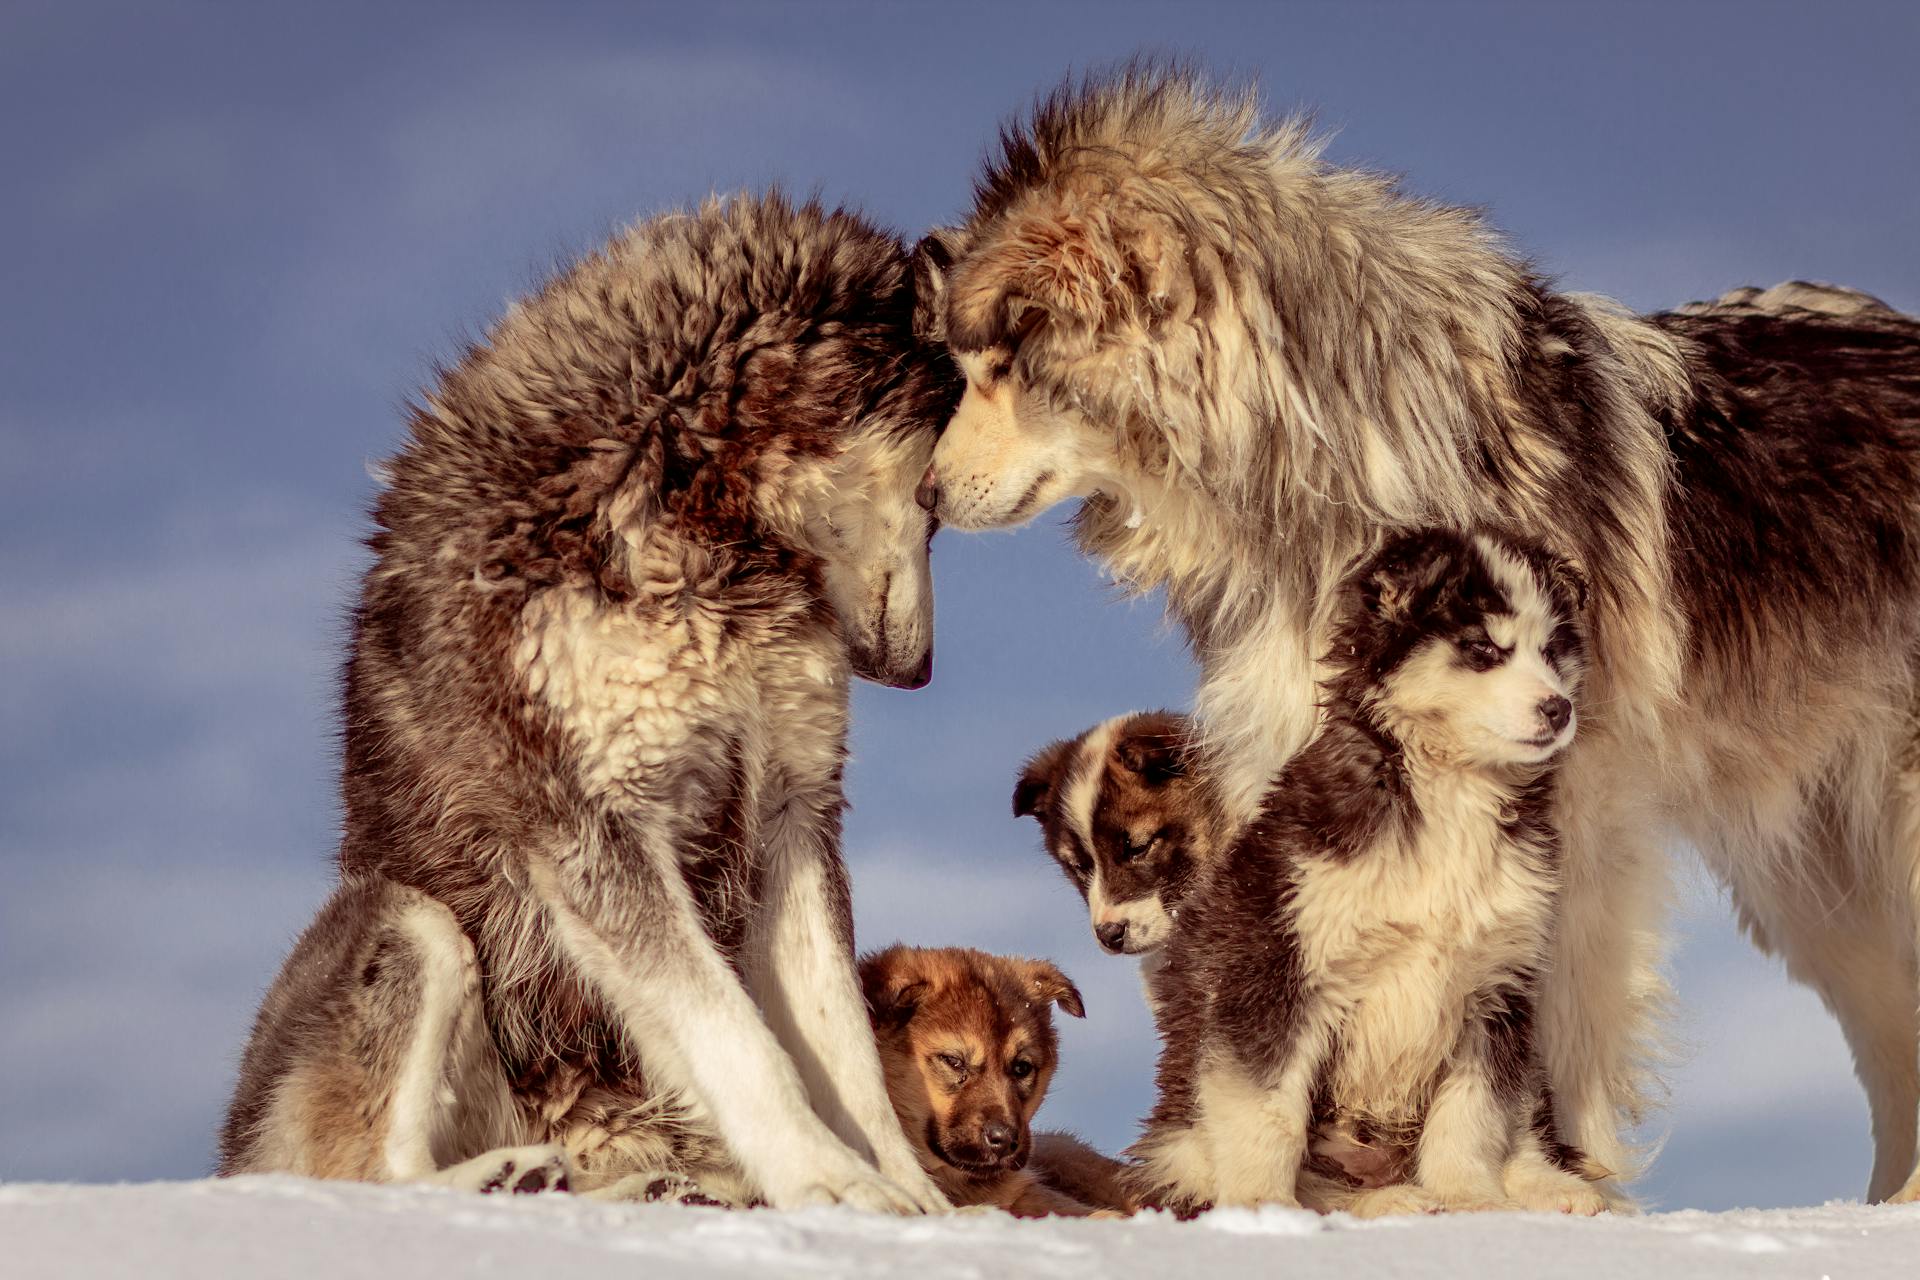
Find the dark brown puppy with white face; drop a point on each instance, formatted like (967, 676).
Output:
(1123, 811)
(968, 1047)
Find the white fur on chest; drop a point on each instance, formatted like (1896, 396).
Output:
(1402, 937)
(661, 706)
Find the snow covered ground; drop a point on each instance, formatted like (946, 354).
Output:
(288, 1227)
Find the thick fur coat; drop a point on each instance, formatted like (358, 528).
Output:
(1350, 993)
(591, 902)
(1252, 366)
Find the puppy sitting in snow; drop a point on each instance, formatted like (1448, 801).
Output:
(968, 1047)
(1124, 811)
(1350, 988)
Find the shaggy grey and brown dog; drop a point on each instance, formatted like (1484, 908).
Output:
(592, 922)
(1351, 986)
(1253, 366)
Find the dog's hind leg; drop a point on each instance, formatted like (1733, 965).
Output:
(800, 968)
(372, 1061)
(1845, 927)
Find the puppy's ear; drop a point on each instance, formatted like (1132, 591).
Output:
(1568, 582)
(1035, 788)
(1048, 985)
(893, 985)
(933, 259)
(1405, 576)
(1154, 746)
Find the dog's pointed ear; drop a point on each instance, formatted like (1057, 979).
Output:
(1154, 746)
(1406, 574)
(1046, 984)
(1035, 788)
(933, 260)
(894, 986)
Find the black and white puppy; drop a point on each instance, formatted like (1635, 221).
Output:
(1350, 987)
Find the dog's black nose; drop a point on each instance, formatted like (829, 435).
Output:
(998, 1138)
(928, 494)
(1556, 711)
(1112, 934)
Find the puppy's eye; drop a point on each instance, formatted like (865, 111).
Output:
(1559, 646)
(952, 1062)
(1131, 849)
(1020, 1069)
(1481, 653)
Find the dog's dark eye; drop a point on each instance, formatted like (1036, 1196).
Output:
(1559, 645)
(1131, 849)
(1020, 1069)
(1481, 653)
(952, 1062)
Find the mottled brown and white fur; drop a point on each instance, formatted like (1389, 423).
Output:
(592, 918)
(1252, 365)
(1351, 987)
(1128, 815)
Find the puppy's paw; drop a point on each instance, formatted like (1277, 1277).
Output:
(510, 1170)
(1394, 1200)
(1549, 1190)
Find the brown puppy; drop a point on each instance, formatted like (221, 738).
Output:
(1124, 811)
(967, 1043)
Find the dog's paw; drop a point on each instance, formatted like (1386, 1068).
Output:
(1394, 1200)
(1555, 1191)
(1909, 1194)
(842, 1180)
(510, 1170)
(911, 1179)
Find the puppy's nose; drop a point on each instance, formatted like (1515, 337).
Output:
(998, 1137)
(1112, 934)
(1556, 711)
(928, 494)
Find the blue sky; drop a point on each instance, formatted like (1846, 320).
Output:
(241, 235)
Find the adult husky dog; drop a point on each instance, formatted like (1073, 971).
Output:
(1253, 366)
(592, 924)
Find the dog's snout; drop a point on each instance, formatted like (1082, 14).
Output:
(1112, 934)
(997, 1137)
(1556, 711)
(928, 493)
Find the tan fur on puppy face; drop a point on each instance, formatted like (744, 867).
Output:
(1129, 819)
(967, 1043)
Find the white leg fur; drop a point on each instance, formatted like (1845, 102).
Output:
(1256, 1134)
(1464, 1143)
(700, 1033)
(802, 973)
(1533, 1182)
(449, 1097)
(1601, 998)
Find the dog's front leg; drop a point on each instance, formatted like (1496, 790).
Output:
(627, 922)
(1602, 995)
(800, 966)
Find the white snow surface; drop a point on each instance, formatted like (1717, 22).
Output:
(294, 1228)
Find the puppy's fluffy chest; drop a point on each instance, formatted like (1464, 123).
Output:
(1410, 935)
